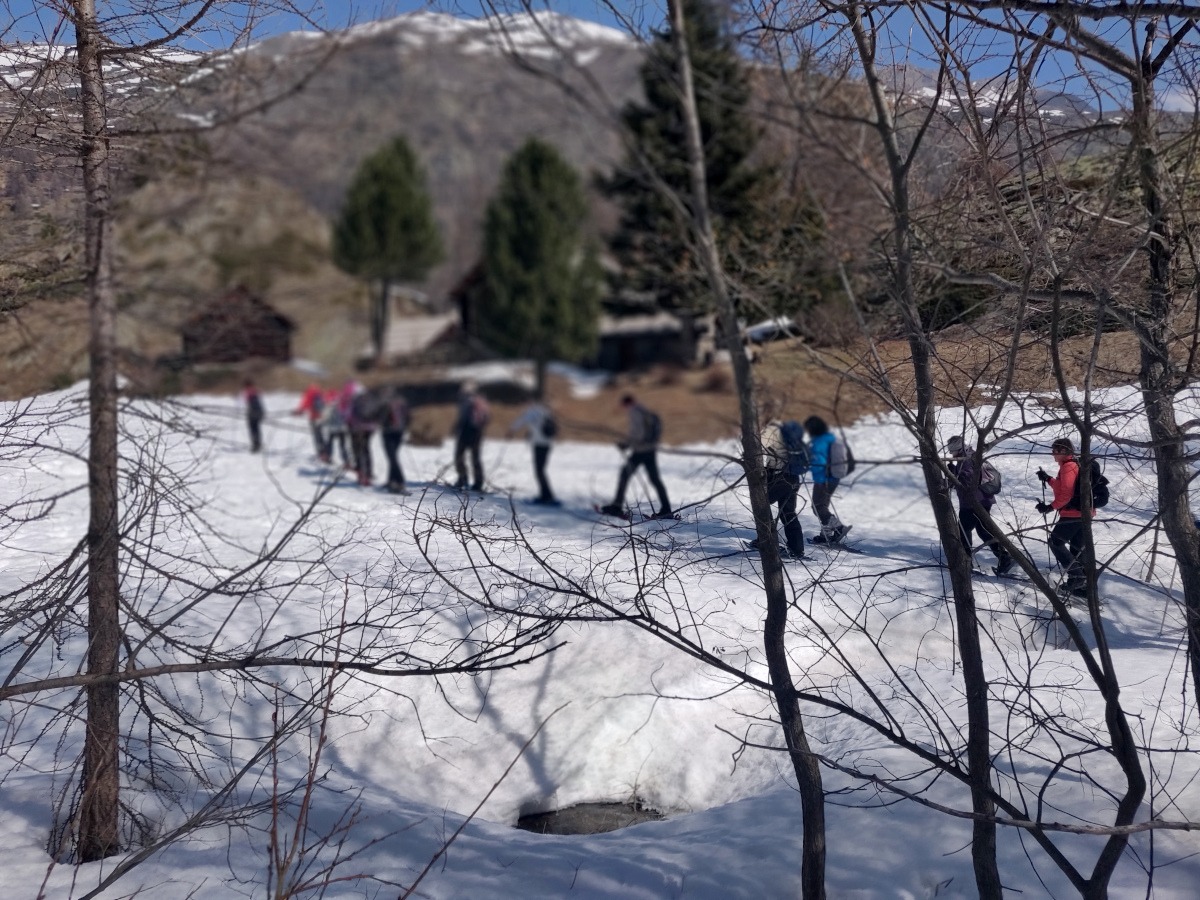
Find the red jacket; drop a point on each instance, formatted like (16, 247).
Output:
(1064, 490)
(313, 402)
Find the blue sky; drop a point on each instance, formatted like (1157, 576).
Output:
(35, 21)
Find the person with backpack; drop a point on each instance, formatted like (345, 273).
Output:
(976, 490)
(645, 431)
(785, 460)
(333, 423)
(391, 432)
(255, 413)
(1066, 537)
(473, 417)
(828, 465)
(366, 411)
(541, 428)
(312, 404)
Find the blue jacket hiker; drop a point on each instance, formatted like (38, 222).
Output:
(539, 424)
(824, 467)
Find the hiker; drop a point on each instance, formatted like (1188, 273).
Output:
(333, 424)
(312, 403)
(645, 430)
(784, 461)
(970, 489)
(254, 414)
(365, 412)
(473, 417)
(827, 470)
(1066, 538)
(540, 427)
(395, 423)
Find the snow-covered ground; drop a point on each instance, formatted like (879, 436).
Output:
(621, 713)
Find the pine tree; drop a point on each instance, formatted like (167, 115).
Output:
(765, 227)
(542, 278)
(386, 231)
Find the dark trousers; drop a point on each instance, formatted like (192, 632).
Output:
(360, 444)
(320, 444)
(647, 459)
(463, 448)
(822, 494)
(339, 438)
(254, 424)
(1066, 543)
(541, 455)
(781, 489)
(969, 525)
(391, 449)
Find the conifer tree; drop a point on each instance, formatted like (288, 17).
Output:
(765, 227)
(542, 278)
(386, 231)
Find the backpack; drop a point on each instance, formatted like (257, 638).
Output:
(368, 408)
(990, 482)
(549, 428)
(841, 459)
(480, 414)
(792, 434)
(654, 426)
(1099, 488)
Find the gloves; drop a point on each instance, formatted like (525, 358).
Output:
(1042, 476)
(1044, 508)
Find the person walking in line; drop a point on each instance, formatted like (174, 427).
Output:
(784, 458)
(541, 428)
(826, 470)
(641, 440)
(333, 423)
(367, 410)
(255, 413)
(473, 417)
(970, 489)
(395, 424)
(312, 404)
(1066, 537)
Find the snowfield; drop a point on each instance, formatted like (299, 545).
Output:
(614, 713)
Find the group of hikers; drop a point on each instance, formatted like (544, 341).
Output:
(344, 419)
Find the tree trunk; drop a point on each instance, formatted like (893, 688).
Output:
(975, 685)
(381, 318)
(805, 765)
(99, 804)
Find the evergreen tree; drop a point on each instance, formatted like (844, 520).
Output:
(542, 278)
(764, 226)
(386, 231)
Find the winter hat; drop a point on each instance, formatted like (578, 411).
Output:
(816, 426)
(1063, 445)
(954, 446)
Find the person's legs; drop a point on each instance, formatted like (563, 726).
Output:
(255, 426)
(968, 524)
(627, 469)
(541, 454)
(460, 463)
(477, 464)
(792, 532)
(651, 464)
(391, 449)
(1066, 540)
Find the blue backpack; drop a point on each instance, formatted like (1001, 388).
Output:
(797, 450)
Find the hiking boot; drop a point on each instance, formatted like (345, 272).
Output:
(611, 509)
(793, 554)
(1005, 565)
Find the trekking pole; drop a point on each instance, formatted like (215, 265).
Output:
(1046, 524)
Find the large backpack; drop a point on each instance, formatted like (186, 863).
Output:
(1099, 488)
(841, 459)
(654, 426)
(549, 427)
(481, 414)
(990, 482)
(792, 434)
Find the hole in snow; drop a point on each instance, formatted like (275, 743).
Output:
(588, 818)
